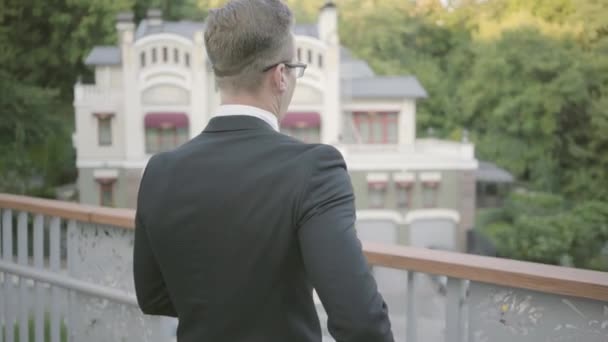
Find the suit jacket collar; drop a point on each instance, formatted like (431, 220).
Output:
(236, 123)
(268, 117)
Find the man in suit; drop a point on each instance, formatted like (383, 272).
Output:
(236, 227)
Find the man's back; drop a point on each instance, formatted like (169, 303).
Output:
(242, 221)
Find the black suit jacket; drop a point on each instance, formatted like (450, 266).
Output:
(236, 227)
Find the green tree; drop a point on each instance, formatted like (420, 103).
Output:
(43, 48)
(543, 228)
(26, 129)
(530, 100)
(45, 43)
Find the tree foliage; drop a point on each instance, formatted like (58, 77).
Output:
(27, 130)
(543, 228)
(44, 44)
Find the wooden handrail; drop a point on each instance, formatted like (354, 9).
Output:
(504, 272)
(124, 218)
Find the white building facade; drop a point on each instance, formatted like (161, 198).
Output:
(156, 90)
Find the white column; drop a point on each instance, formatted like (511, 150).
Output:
(133, 120)
(199, 96)
(407, 122)
(331, 123)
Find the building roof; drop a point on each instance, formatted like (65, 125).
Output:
(491, 173)
(356, 68)
(184, 28)
(187, 28)
(383, 87)
(104, 55)
(310, 30)
(358, 79)
(346, 54)
(110, 55)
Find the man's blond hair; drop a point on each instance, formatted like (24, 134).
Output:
(246, 36)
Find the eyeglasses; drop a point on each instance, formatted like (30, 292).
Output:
(299, 68)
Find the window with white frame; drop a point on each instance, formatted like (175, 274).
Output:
(376, 190)
(165, 131)
(104, 128)
(106, 194)
(376, 127)
(404, 184)
(430, 189)
(106, 180)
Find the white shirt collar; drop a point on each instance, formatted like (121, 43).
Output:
(268, 117)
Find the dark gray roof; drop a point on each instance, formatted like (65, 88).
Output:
(351, 67)
(110, 55)
(310, 30)
(104, 55)
(345, 54)
(358, 79)
(184, 28)
(187, 28)
(490, 173)
(383, 87)
(355, 68)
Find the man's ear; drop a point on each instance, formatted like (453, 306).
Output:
(280, 78)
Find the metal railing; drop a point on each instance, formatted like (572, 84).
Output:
(72, 264)
(65, 267)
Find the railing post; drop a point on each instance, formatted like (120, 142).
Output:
(71, 254)
(55, 254)
(7, 255)
(454, 320)
(411, 333)
(39, 264)
(22, 256)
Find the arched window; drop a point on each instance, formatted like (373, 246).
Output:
(176, 56)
